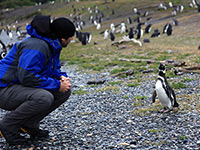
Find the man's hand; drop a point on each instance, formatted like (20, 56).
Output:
(64, 84)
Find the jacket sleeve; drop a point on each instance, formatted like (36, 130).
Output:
(57, 73)
(30, 66)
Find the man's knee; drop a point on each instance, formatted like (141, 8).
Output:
(43, 97)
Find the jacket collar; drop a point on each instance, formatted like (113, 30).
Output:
(55, 44)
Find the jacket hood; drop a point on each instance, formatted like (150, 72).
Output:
(55, 44)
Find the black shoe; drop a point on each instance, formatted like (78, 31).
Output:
(11, 138)
(35, 132)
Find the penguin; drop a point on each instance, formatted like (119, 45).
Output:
(196, 4)
(169, 30)
(148, 28)
(156, 33)
(112, 36)
(135, 10)
(3, 51)
(112, 27)
(123, 28)
(138, 19)
(106, 33)
(149, 18)
(170, 4)
(165, 28)
(131, 33)
(129, 20)
(84, 37)
(146, 40)
(139, 31)
(113, 12)
(164, 91)
(175, 22)
(145, 13)
(191, 5)
(98, 26)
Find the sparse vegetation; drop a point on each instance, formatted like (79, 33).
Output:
(178, 85)
(80, 91)
(132, 84)
(155, 130)
(140, 97)
(183, 137)
(114, 82)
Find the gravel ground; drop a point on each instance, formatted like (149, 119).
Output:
(106, 119)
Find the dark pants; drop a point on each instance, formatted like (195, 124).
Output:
(28, 106)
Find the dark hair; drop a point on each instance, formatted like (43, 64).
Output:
(59, 28)
(62, 28)
(41, 24)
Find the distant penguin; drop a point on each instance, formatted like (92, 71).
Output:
(174, 12)
(123, 28)
(131, 34)
(139, 32)
(112, 27)
(106, 34)
(3, 51)
(175, 22)
(191, 5)
(113, 12)
(112, 36)
(98, 26)
(10, 34)
(181, 7)
(165, 28)
(149, 18)
(129, 20)
(135, 10)
(138, 19)
(165, 93)
(145, 13)
(146, 40)
(84, 37)
(197, 4)
(170, 4)
(169, 30)
(18, 31)
(156, 33)
(148, 28)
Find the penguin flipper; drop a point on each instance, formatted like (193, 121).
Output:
(172, 96)
(175, 102)
(154, 96)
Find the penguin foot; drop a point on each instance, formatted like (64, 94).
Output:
(161, 111)
(165, 110)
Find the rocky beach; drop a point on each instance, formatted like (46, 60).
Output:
(99, 119)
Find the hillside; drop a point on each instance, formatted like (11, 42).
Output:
(184, 40)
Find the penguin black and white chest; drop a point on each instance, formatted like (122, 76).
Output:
(164, 91)
(3, 50)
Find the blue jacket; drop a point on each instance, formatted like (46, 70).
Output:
(33, 62)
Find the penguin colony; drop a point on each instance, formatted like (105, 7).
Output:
(134, 26)
(97, 17)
